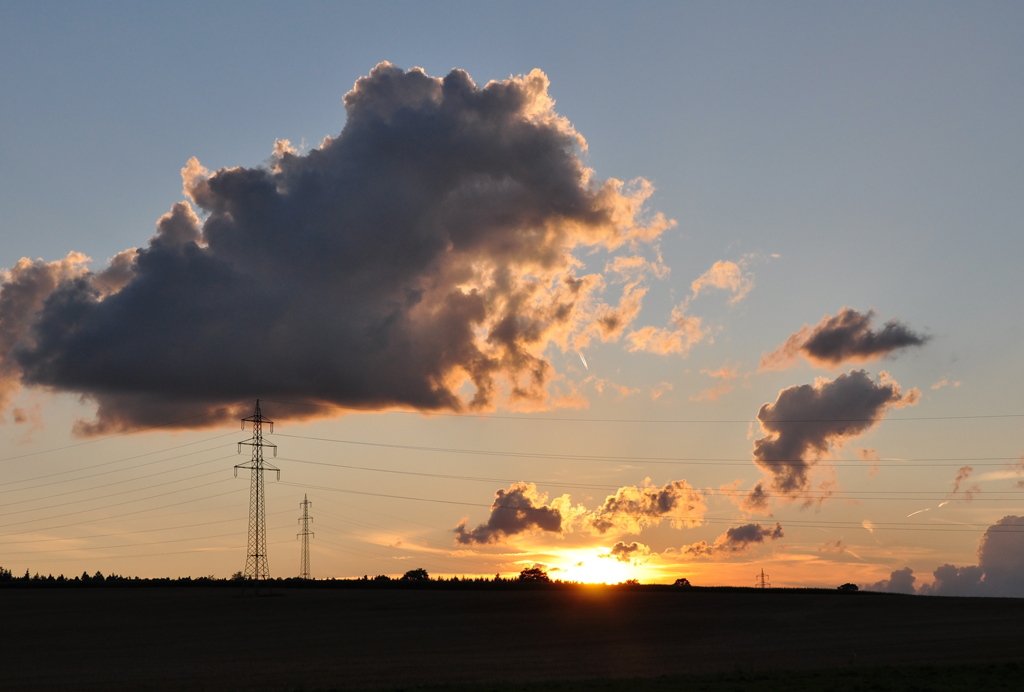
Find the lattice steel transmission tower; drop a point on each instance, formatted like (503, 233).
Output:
(761, 581)
(256, 567)
(305, 534)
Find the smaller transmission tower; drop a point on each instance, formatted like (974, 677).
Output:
(761, 581)
(256, 566)
(305, 534)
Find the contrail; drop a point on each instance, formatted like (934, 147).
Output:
(584, 361)
(919, 511)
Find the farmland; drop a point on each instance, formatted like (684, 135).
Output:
(168, 638)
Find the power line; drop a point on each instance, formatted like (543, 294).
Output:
(121, 482)
(649, 420)
(478, 504)
(108, 463)
(706, 461)
(123, 434)
(397, 497)
(119, 504)
(844, 494)
(122, 515)
(102, 497)
(120, 533)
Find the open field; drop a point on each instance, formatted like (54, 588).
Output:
(215, 639)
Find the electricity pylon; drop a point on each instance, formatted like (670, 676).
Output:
(256, 567)
(761, 581)
(305, 534)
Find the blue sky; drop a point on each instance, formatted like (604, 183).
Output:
(875, 149)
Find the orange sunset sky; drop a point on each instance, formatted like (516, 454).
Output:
(638, 292)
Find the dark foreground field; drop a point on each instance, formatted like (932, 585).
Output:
(215, 639)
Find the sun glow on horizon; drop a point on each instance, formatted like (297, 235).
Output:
(588, 567)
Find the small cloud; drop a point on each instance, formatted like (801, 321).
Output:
(836, 547)
(682, 334)
(870, 456)
(962, 474)
(868, 525)
(737, 539)
(660, 390)
(635, 267)
(847, 337)
(628, 552)
(944, 382)
(725, 374)
(726, 275)
(516, 510)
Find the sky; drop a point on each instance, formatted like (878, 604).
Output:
(651, 291)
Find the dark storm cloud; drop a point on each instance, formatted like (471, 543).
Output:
(516, 510)
(23, 290)
(844, 338)
(425, 249)
(806, 421)
(737, 539)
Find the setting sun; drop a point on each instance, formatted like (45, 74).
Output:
(595, 568)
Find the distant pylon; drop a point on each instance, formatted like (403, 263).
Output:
(761, 581)
(256, 566)
(305, 534)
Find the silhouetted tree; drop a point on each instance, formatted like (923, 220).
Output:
(418, 574)
(684, 582)
(534, 574)
(849, 587)
(5, 575)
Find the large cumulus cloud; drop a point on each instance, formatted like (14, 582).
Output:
(847, 337)
(423, 258)
(1000, 568)
(807, 421)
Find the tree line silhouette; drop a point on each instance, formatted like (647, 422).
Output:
(529, 578)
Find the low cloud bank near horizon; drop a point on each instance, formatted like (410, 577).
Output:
(999, 572)
(421, 259)
(736, 539)
(523, 509)
(807, 421)
(847, 337)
